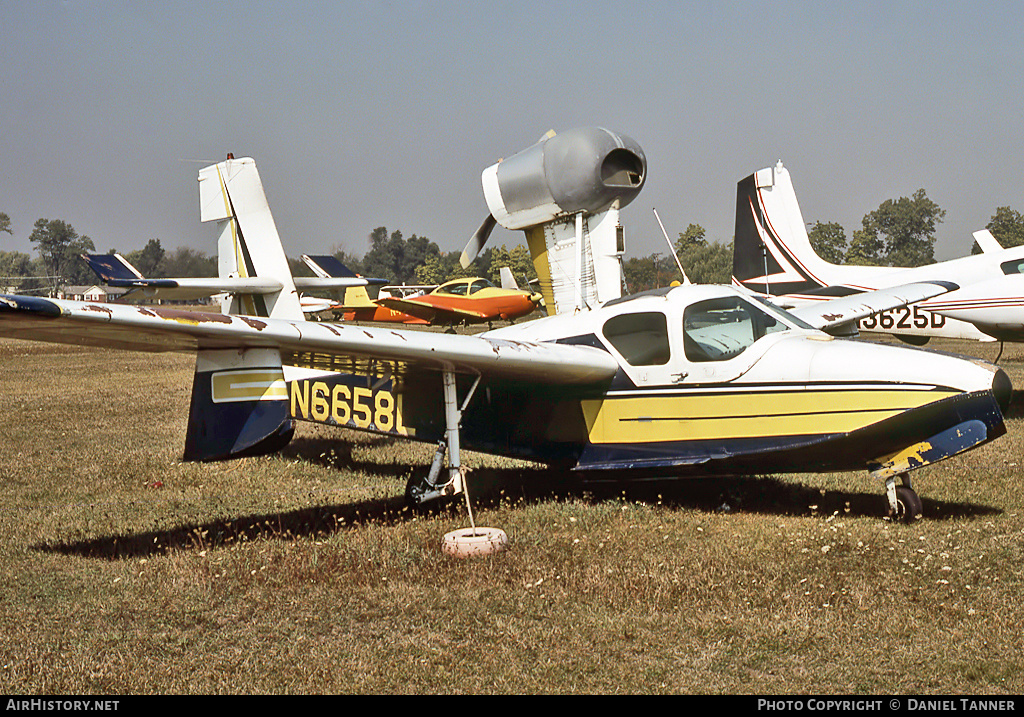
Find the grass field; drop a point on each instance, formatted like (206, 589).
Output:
(127, 571)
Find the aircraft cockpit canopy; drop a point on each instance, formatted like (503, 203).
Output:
(714, 329)
(464, 287)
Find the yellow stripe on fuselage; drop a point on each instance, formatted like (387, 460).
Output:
(695, 417)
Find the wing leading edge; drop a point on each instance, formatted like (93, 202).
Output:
(840, 315)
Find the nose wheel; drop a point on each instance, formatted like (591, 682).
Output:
(904, 503)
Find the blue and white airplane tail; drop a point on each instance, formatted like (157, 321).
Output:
(239, 395)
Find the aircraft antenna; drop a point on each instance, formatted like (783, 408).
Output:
(671, 248)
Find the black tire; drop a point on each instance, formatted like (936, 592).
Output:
(908, 505)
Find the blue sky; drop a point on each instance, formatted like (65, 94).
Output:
(384, 113)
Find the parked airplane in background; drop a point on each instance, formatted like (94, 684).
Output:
(459, 301)
(773, 256)
(678, 382)
(116, 271)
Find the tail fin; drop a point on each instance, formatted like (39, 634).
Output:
(357, 297)
(328, 267)
(231, 194)
(112, 268)
(579, 261)
(508, 279)
(772, 253)
(239, 396)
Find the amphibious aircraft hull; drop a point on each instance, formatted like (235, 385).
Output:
(689, 431)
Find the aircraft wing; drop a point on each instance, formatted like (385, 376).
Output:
(430, 312)
(302, 343)
(838, 316)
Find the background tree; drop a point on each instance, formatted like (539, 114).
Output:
(5, 223)
(1007, 226)
(517, 259)
(439, 268)
(60, 249)
(15, 269)
(188, 262)
(865, 249)
(908, 227)
(641, 273)
(829, 241)
(396, 259)
(704, 262)
(149, 259)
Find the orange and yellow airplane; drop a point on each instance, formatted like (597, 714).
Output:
(459, 301)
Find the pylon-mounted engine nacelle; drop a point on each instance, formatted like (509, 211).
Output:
(581, 170)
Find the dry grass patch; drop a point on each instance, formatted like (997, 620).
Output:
(123, 570)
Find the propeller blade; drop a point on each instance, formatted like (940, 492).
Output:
(477, 241)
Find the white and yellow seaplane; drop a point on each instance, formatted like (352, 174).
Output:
(679, 382)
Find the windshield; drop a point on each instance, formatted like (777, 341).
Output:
(800, 323)
(721, 329)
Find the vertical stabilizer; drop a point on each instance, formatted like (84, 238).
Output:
(248, 245)
(772, 253)
(578, 260)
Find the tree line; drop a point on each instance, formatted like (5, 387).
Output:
(59, 263)
(899, 232)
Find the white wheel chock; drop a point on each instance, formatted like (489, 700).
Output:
(467, 542)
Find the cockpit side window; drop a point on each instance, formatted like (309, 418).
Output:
(721, 329)
(479, 284)
(641, 338)
(456, 289)
(1013, 267)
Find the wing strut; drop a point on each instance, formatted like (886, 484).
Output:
(421, 491)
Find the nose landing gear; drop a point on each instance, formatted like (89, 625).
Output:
(904, 503)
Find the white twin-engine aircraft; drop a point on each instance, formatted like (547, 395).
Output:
(679, 382)
(773, 256)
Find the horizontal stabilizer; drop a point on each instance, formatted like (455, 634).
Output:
(839, 315)
(114, 270)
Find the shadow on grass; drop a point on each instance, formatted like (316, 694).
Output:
(491, 488)
(1015, 409)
